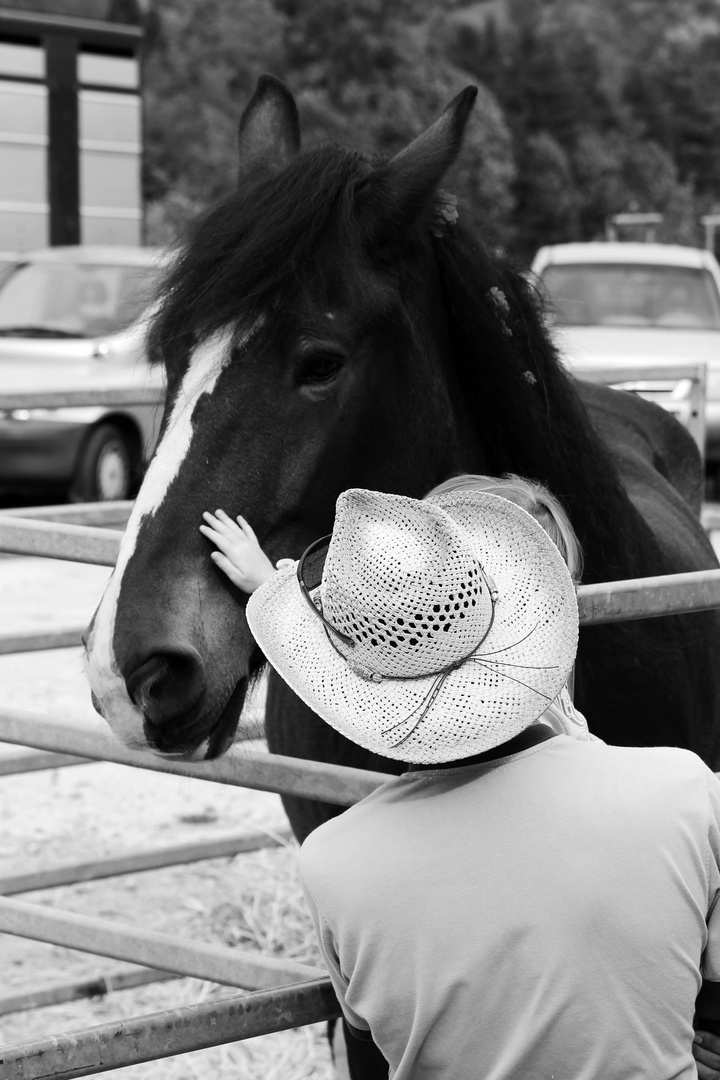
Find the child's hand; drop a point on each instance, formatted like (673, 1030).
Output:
(240, 556)
(706, 1051)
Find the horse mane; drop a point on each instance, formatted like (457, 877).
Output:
(533, 423)
(527, 409)
(252, 243)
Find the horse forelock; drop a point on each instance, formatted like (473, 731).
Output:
(250, 247)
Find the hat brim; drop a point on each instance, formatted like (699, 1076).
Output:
(521, 666)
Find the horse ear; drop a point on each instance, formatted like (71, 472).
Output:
(402, 189)
(269, 134)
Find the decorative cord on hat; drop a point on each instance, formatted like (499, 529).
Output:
(429, 699)
(440, 676)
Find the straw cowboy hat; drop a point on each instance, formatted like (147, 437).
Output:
(435, 629)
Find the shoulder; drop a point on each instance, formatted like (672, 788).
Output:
(663, 761)
(345, 831)
(641, 758)
(353, 840)
(668, 779)
(665, 772)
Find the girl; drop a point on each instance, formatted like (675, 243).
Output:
(241, 558)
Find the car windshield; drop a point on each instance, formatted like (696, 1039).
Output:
(74, 299)
(607, 294)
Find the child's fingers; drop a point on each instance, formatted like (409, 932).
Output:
(210, 532)
(247, 528)
(706, 1048)
(223, 563)
(227, 544)
(709, 1042)
(222, 523)
(707, 1059)
(706, 1072)
(215, 522)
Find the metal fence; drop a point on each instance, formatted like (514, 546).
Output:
(286, 994)
(680, 388)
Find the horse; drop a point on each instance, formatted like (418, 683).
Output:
(329, 324)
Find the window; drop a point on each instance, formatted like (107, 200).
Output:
(607, 294)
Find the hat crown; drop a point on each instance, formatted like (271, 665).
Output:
(401, 581)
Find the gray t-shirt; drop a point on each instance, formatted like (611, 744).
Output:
(544, 916)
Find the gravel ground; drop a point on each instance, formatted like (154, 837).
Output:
(89, 811)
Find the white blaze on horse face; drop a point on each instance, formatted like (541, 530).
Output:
(206, 364)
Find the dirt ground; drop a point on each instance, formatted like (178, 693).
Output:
(84, 812)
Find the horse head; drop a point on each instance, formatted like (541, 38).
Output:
(303, 332)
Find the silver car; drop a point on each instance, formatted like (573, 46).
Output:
(634, 305)
(71, 318)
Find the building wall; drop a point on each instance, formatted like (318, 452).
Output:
(70, 135)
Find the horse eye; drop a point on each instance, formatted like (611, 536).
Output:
(320, 368)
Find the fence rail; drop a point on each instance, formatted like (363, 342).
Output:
(679, 388)
(634, 598)
(337, 784)
(166, 1034)
(56, 540)
(138, 861)
(62, 399)
(97, 513)
(124, 978)
(106, 937)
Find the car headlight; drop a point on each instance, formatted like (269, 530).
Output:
(25, 414)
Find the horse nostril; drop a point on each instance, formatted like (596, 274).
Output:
(167, 685)
(96, 704)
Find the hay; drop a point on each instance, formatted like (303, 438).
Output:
(269, 914)
(251, 901)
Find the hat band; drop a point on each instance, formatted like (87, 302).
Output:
(368, 673)
(305, 590)
(440, 676)
(421, 710)
(378, 677)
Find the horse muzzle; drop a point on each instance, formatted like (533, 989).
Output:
(168, 687)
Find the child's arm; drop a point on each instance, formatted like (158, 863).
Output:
(240, 556)
(706, 1046)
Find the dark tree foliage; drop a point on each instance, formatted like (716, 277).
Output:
(585, 110)
(676, 99)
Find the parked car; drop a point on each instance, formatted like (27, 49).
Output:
(637, 305)
(73, 318)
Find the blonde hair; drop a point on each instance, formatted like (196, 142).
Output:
(533, 497)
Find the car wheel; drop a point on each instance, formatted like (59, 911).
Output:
(105, 467)
(712, 481)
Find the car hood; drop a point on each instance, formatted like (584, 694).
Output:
(627, 346)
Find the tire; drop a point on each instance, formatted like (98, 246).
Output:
(105, 468)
